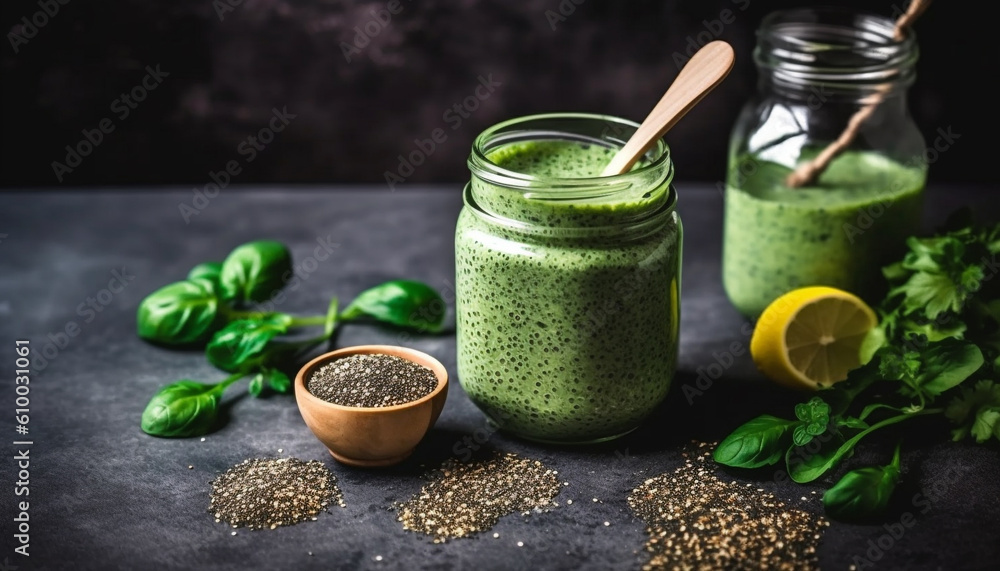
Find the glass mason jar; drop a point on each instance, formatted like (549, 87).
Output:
(567, 282)
(818, 67)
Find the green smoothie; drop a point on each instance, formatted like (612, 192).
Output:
(567, 309)
(839, 232)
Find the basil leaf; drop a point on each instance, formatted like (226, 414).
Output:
(801, 436)
(813, 412)
(331, 317)
(179, 313)
(279, 381)
(255, 271)
(868, 410)
(241, 344)
(851, 422)
(760, 442)
(947, 364)
(815, 416)
(403, 303)
(842, 394)
(184, 408)
(805, 466)
(206, 270)
(256, 385)
(863, 493)
(874, 340)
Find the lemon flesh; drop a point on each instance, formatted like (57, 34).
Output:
(811, 337)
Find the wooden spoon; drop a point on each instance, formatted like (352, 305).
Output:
(703, 72)
(807, 173)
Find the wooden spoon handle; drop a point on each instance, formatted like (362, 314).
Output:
(703, 72)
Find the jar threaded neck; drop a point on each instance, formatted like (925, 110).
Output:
(846, 52)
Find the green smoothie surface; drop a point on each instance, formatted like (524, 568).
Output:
(553, 158)
(561, 205)
(852, 179)
(838, 232)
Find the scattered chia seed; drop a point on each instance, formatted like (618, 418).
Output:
(466, 498)
(264, 493)
(369, 381)
(697, 521)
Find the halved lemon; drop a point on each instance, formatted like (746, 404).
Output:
(811, 337)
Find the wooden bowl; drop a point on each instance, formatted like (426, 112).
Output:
(380, 436)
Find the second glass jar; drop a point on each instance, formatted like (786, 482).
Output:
(567, 282)
(818, 68)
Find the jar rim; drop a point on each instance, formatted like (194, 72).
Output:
(563, 188)
(834, 45)
(637, 228)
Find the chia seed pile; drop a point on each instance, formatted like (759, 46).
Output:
(697, 521)
(264, 493)
(466, 498)
(371, 381)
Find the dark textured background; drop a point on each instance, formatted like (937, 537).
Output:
(354, 118)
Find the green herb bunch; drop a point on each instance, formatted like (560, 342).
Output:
(213, 308)
(935, 352)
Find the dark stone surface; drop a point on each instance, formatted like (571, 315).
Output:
(106, 496)
(228, 71)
